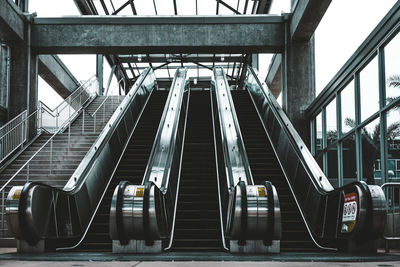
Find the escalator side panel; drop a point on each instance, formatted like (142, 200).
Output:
(131, 167)
(265, 166)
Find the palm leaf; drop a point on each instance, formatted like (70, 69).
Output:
(394, 80)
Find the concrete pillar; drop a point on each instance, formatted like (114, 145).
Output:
(254, 61)
(99, 72)
(23, 80)
(298, 80)
(4, 75)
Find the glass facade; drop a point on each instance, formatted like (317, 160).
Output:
(360, 127)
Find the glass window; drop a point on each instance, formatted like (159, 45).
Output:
(393, 135)
(318, 140)
(370, 151)
(348, 107)
(331, 129)
(318, 134)
(369, 89)
(349, 159)
(392, 69)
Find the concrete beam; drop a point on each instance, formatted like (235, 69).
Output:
(174, 58)
(306, 17)
(57, 75)
(152, 34)
(274, 76)
(11, 22)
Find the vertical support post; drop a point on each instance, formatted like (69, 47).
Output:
(23, 80)
(99, 72)
(83, 121)
(383, 117)
(298, 84)
(339, 135)
(51, 156)
(27, 172)
(358, 137)
(4, 75)
(2, 212)
(324, 143)
(104, 111)
(109, 79)
(254, 61)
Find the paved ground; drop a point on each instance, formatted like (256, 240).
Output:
(9, 257)
(193, 264)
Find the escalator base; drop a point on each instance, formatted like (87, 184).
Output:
(6, 255)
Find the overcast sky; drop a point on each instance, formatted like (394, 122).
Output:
(345, 25)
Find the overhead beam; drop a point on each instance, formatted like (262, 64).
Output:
(11, 22)
(57, 75)
(274, 76)
(162, 59)
(86, 8)
(152, 34)
(264, 6)
(306, 17)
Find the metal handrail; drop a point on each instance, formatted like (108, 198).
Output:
(102, 105)
(218, 182)
(171, 238)
(39, 111)
(238, 144)
(386, 187)
(323, 182)
(80, 171)
(82, 86)
(8, 150)
(154, 154)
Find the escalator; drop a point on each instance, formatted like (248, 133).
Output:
(264, 165)
(197, 225)
(131, 167)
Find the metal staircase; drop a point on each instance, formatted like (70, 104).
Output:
(54, 163)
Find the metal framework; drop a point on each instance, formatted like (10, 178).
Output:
(130, 64)
(373, 48)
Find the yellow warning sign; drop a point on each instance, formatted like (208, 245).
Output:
(139, 191)
(261, 192)
(17, 194)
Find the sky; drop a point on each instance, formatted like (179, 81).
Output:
(343, 28)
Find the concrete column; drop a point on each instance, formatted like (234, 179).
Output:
(23, 80)
(4, 75)
(254, 61)
(298, 80)
(99, 72)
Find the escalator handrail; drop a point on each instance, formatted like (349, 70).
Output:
(90, 158)
(155, 151)
(80, 172)
(288, 127)
(179, 177)
(318, 177)
(245, 165)
(77, 244)
(221, 221)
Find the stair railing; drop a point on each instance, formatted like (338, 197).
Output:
(14, 134)
(392, 229)
(98, 118)
(54, 121)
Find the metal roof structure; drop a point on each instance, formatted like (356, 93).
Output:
(198, 65)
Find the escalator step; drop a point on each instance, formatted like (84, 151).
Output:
(131, 167)
(265, 166)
